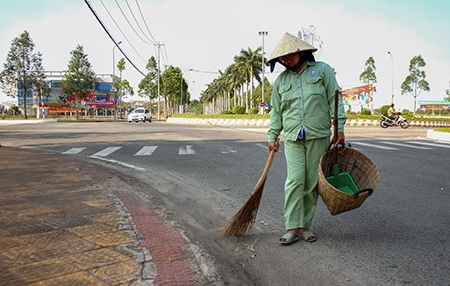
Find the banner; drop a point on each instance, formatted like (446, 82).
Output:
(93, 99)
(360, 95)
(434, 105)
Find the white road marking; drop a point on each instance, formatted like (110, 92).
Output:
(186, 150)
(374, 146)
(429, 144)
(146, 151)
(74, 150)
(105, 152)
(405, 145)
(262, 145)
(227, 149)
(118, 163)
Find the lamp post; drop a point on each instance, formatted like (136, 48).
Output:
(392, 78)
(262, 33)
(181, 92)
(114, 75)
(181, 89)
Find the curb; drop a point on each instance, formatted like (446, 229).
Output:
(266, 122)
(438, 135)
(27, 121)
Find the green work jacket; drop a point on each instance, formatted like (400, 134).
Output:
(305, 100)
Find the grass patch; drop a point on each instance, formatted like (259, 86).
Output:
(442, 129)
(226, 116)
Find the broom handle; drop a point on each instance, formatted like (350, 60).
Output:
(335, 125)
(263, 177)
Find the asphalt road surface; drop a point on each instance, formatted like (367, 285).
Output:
(203, 175)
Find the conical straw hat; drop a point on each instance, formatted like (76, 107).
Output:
(289, 44)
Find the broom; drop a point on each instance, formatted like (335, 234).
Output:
(243, 220)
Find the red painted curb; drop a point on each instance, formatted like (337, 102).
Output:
(164, 243)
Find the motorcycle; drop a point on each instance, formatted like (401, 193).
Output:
(386, 122)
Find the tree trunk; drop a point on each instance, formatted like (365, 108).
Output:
(251, 93)
(25, 102)
(77, 100)
(246, 97)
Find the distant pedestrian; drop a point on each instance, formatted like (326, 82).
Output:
(302, 106)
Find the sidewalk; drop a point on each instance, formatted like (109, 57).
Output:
(67, 222)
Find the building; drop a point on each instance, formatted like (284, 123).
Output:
(434, 105)
(101, 97)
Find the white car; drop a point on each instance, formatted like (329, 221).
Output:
(140, 114)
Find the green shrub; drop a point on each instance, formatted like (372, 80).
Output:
(384, 109)
(366, 111)
(239, 109)
(227, 112)
(253, 110)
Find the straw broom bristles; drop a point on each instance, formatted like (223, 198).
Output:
(243, 220)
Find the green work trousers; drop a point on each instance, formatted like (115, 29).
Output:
(302, 159)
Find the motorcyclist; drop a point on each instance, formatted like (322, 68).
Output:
(392, 114)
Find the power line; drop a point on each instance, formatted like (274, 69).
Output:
(111, 37)
(131, 26)
(132, 14)
(166, 61)
(123, 34)
(142, 16)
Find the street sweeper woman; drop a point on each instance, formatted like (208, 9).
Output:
(302, 106)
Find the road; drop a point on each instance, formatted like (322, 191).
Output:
(203, 174)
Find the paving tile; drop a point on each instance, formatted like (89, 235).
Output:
(110, 239)
(43, 270)
(95, 258)
(121, 273)
(75, 279)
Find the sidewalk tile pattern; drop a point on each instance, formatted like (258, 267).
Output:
(66, 222)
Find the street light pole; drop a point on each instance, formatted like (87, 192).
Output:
(114, 75)
(181, 91)
(392, 78)
(159, 88)
(262, 33)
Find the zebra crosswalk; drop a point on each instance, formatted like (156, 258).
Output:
(146, 151)
(140, 151)
(106, 152)
(396, 145)
(143, 151)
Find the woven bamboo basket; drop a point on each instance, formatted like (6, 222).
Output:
(363, 171)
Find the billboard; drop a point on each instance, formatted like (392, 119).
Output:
(360, 95)
(434, 105)
(98, 98)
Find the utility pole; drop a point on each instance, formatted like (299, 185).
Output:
(262, 33)
(392, 77)
(114, 75)
(159, 74)
(181, 92)
(309, 35)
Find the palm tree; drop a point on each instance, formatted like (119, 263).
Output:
(250, 61)
(237, 76)
(207, 96)
(236, 80)
(121, 68)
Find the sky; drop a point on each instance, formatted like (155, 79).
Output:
(203, 36)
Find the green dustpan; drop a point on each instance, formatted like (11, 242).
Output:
(342, 181)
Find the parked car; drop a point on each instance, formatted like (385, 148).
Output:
(140, 114)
